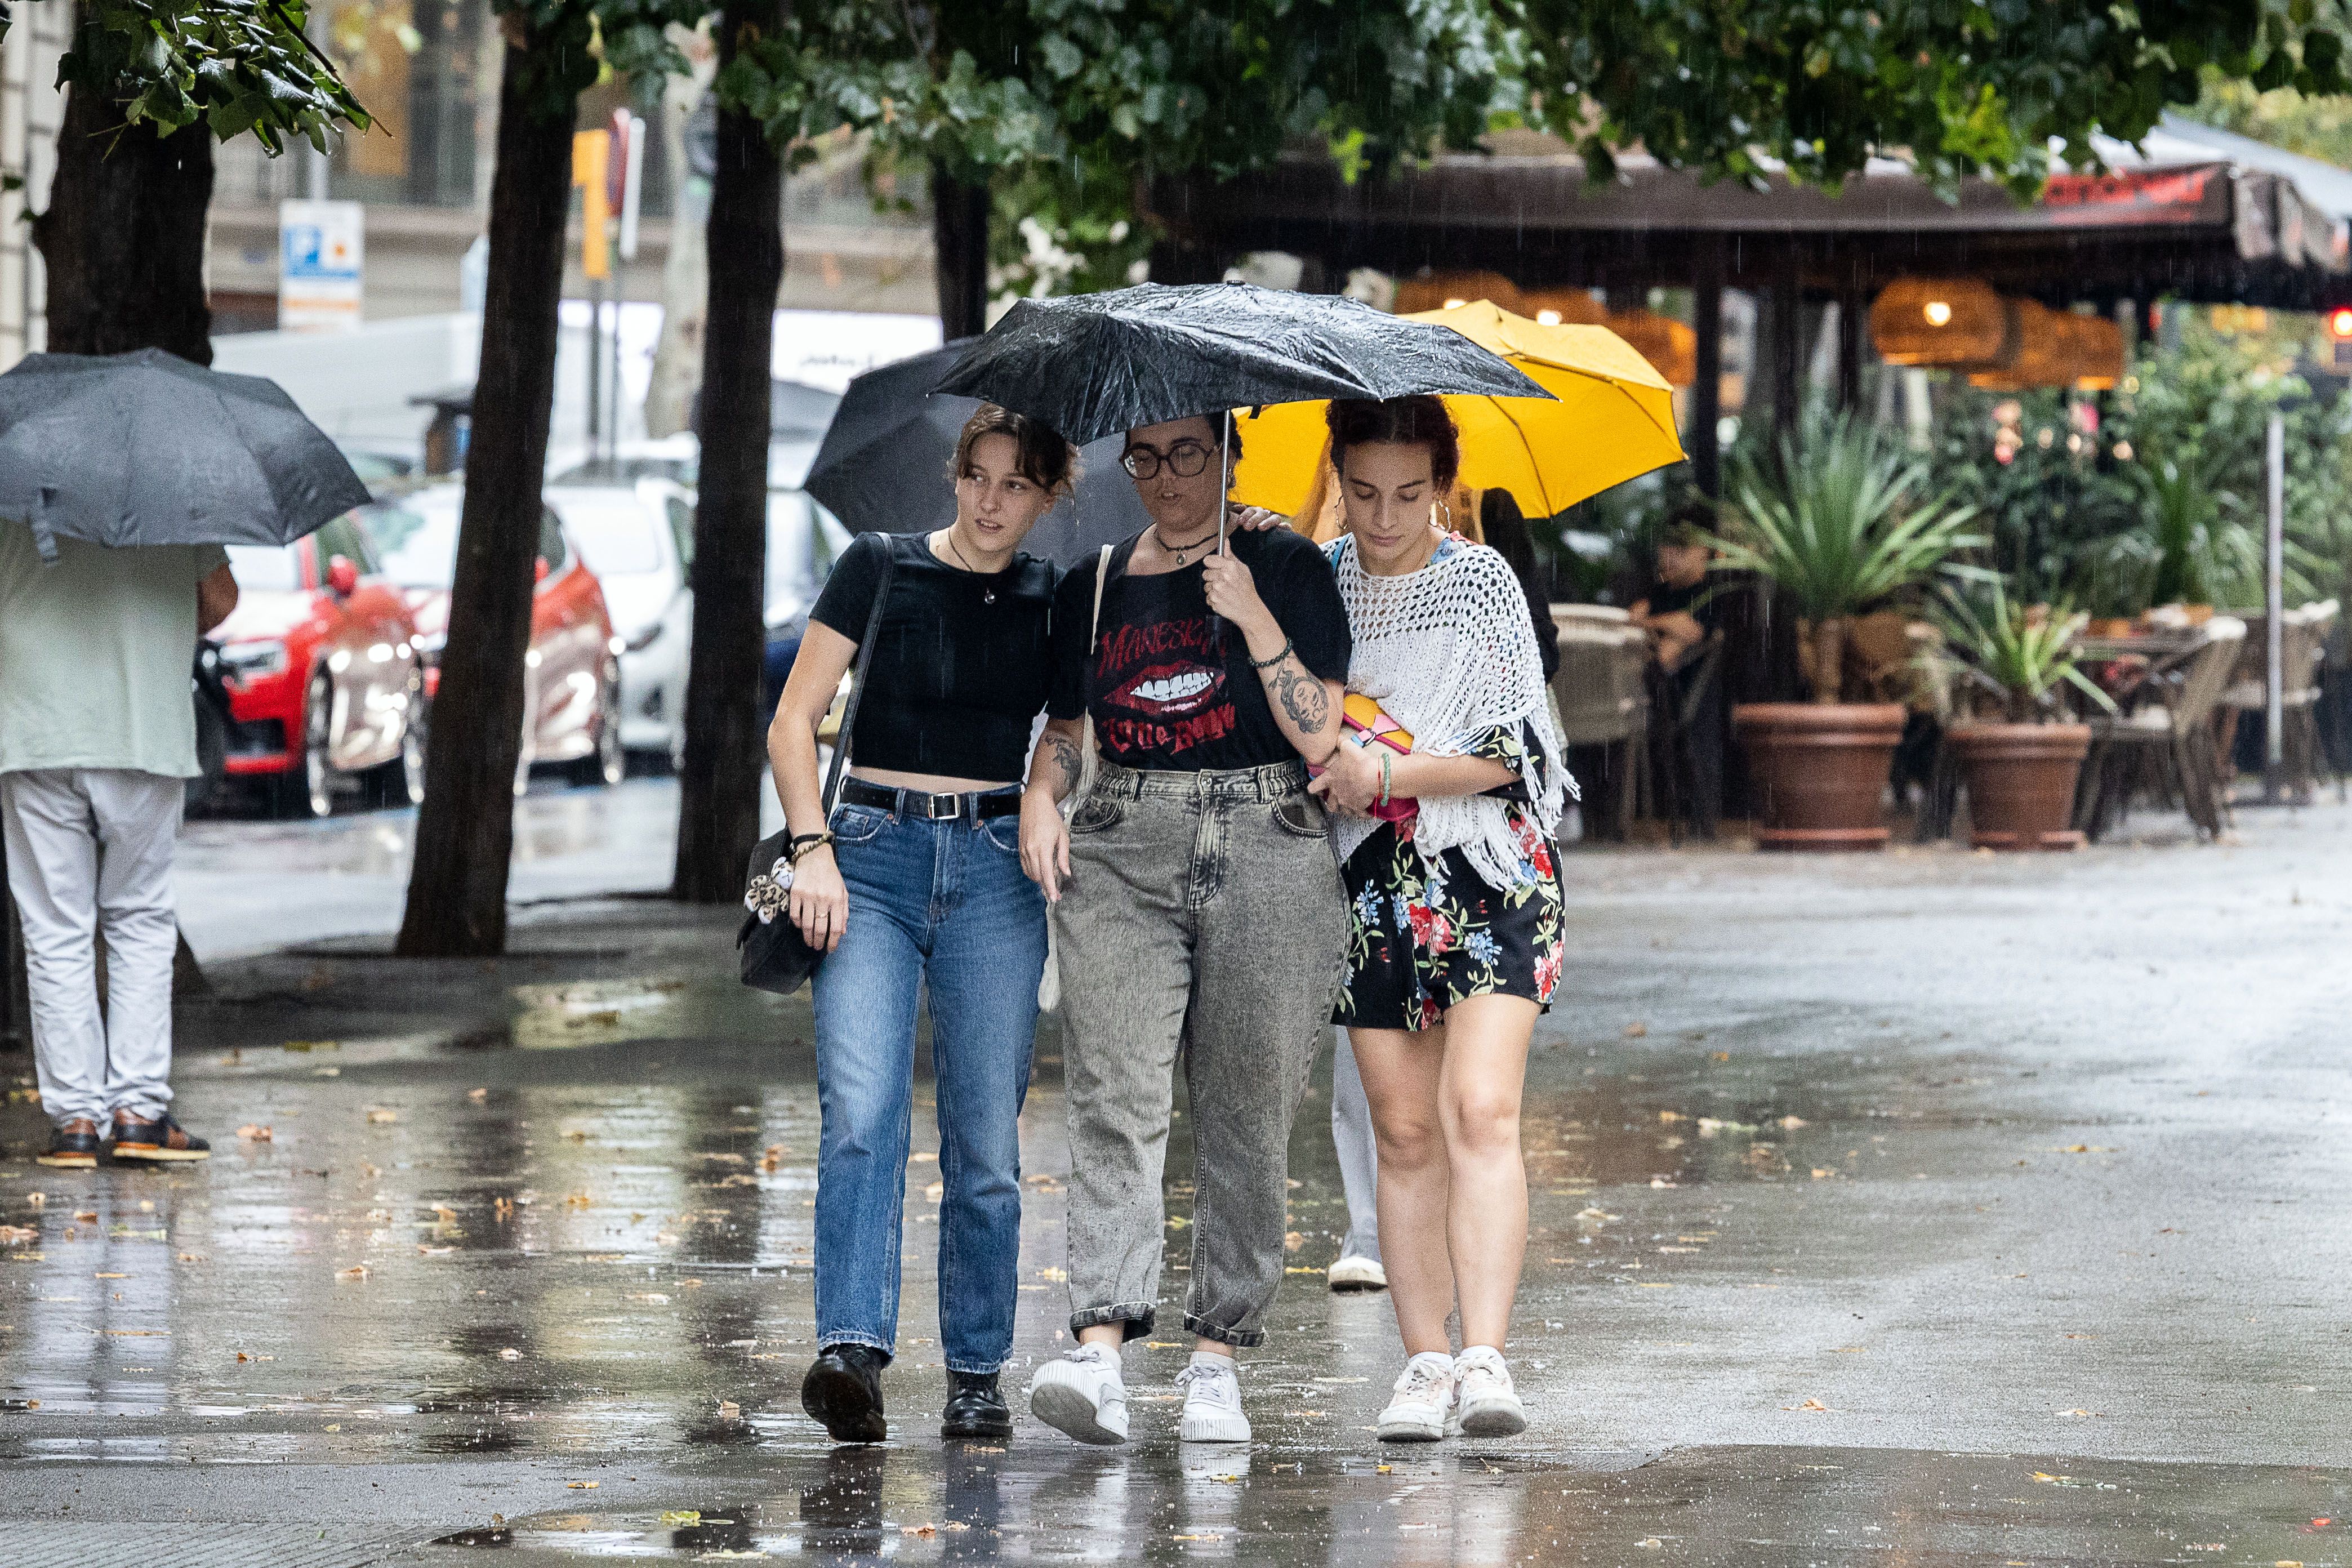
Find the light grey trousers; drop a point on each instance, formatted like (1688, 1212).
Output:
(89, 853)
(1360, 1158)
(1204, 920)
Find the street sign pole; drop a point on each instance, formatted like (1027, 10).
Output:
(2275, 611)
(591, 153)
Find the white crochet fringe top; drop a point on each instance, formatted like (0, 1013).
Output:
(1448, 653)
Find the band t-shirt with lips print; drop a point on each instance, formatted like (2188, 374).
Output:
(1171, 688)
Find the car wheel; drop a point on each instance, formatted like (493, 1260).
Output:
(401, 782)
(608, 763)
(306, 789)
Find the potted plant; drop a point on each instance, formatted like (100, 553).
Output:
(2021, 765)
(1840, 531)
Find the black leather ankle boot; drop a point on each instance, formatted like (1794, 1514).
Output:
(843, 1391)
(976, 1407)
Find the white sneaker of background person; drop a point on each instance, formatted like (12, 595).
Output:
(1083, 1394)
(1485, 1403)
(1213, 1401)
(1420, 1400)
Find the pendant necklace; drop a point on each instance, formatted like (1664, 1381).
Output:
(1182, 552)
(987, 593)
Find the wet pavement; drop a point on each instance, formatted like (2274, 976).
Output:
(1930, 1207)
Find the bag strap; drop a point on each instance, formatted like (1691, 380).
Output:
(1094, 630)
(858, 678)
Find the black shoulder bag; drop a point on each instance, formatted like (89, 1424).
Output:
(776, 956)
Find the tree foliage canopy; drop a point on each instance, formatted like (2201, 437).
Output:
(237, 65)
(1962, 88)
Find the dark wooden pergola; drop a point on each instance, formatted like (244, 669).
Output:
(2194, 215)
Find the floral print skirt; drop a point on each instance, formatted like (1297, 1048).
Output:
(1422, 940)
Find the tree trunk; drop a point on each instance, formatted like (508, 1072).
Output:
(123, 236)
(718, 781)
(960, 250)
(464, 831)
(686, 274)
(1829, 661)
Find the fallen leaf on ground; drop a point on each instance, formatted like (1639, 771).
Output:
(255, 1134)
(356, 1271)
(1635, 1030)
(511, 1353)
(18, 1234)
(1814, 1406)
(1292, 1241)
(379, 1117)
(677, 1516)
(1792, 1122)
(477, 1095)
(729, 1411)
(581, 1486)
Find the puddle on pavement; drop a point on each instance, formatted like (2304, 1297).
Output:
(1040, 1501)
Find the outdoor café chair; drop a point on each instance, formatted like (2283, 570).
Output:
(2167, 743)
(1604, 706)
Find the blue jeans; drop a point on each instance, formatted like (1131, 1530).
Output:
(942, 905)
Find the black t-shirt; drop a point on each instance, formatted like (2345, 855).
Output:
(957, 682)
(1700, 601)
(1170, 687)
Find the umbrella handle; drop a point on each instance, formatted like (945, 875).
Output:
(45, 538)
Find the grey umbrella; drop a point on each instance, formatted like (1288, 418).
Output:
(884, 465)
(147, 448)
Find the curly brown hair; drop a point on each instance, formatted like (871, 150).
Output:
(1041, 455)
(1418, 421)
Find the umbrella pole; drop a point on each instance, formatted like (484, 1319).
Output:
(1225, 490)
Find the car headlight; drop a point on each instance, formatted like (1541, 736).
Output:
(644, 639)
(250, 660)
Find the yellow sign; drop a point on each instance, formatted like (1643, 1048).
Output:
(590, 151)
(2247, 320)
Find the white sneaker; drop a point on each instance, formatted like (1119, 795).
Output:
(1349, 1274)
(1420, 1400)
(1082, 1394)
(1485, 1403)
(1213, 1401)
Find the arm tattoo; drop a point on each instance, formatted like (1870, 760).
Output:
(1065, 759)
(1302, 696)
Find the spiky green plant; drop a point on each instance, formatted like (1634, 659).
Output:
(2019, 657)
(1837, 523)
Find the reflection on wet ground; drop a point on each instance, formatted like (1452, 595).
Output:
(1815, 1506)
(247, 886)
(1918, 1205)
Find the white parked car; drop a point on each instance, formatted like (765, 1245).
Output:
(639, 540)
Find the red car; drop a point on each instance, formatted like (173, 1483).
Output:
(325, 676)
(572, 697)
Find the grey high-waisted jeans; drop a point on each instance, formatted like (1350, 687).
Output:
(1204, 917)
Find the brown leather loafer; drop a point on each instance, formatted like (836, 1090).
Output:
(73, 1146)
(160, 1140)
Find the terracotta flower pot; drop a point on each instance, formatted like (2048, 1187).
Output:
(1820, 771)
(2022, 783)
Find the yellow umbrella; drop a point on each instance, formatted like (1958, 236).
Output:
(1615, 420)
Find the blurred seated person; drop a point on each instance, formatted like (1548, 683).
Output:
(1678, 609)
(1682, 610)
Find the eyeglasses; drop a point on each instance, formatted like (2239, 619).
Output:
(1186, 460)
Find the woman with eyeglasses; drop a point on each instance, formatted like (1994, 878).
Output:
(1198, 915)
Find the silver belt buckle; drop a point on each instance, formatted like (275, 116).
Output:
(942, 807)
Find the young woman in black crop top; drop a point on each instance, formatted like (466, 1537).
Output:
(915, 883)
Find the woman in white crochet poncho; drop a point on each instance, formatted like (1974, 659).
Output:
(1450, 865)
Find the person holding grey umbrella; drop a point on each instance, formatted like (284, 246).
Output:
(97, 737)
(121, 477)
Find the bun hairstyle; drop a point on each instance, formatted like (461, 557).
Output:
(1417, 421)
(1041, 455)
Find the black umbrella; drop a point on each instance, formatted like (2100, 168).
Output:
(147, 448)
(1096, 365)
(883, 467)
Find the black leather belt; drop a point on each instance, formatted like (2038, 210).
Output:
(979, 806)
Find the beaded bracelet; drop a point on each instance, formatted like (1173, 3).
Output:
(802, 843)
(1385, 779)
(1277, 659)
